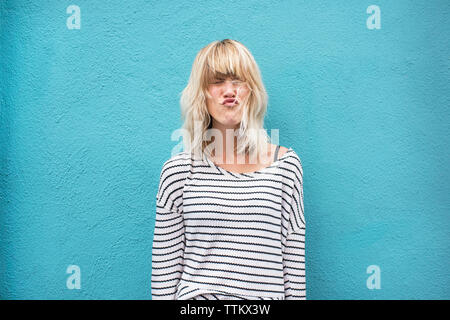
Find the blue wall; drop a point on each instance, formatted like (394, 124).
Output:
(87, 114)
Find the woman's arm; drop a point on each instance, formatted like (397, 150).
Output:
(167, 253)
(168, 239)
(293, 244)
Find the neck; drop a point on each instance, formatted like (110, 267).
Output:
(225, 149)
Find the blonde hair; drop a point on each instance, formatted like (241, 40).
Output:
(230, 58)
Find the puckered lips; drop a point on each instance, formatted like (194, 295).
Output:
(229, 102)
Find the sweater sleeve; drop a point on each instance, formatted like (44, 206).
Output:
(168, 242)
(167, 253)
(293, 244)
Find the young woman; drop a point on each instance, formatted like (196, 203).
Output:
(229, 211)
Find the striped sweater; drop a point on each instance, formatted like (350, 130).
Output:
(241, 234)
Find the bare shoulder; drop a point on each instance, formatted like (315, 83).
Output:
(282, 151)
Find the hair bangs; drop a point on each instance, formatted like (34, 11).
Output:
(226, 60)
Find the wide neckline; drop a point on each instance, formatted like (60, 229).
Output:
(251, 174)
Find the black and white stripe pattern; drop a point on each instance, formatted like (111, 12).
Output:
(221, 296)
(239, 235)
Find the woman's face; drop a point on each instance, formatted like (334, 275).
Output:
(225, 106)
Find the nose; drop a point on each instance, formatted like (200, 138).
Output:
(229, 89)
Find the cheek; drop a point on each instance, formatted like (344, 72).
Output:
(243, 93)
(211, 103)
(214, 98)
(214, 92)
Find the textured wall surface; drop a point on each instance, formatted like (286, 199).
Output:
(87, 115)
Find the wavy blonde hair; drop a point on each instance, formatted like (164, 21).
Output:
(231, 58)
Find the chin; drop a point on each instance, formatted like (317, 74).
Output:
(230, 123)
